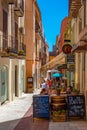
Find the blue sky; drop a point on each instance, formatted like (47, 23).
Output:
(52, 12)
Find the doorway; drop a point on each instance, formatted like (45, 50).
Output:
(3, 84)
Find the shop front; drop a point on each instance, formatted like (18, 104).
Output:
(61, 108)
(80, 51)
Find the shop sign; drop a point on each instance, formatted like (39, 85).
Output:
(30, 80)
(70, 58)
(71, 68)
(66, 48)
(63, 66)
(67, 40)
(76, 106)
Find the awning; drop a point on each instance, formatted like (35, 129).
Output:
(80, 46)
(58, 60)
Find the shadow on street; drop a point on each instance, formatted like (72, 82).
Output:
(25, 123)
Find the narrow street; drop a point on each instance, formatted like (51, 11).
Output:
(43, 65)
(18, 115)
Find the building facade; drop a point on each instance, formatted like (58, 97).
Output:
(78, 11)
(35, 42)
(12, 50)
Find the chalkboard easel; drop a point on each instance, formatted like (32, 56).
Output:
(41, 107)
(76, 106)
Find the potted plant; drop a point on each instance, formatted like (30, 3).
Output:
(75, 91)
(21, 52)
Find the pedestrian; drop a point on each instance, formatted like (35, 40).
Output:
(50, 83)
(43, 92)
(68, 90)
(53, 92)
(44, 85)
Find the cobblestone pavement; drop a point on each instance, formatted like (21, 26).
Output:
(17, 115)
(73, 125)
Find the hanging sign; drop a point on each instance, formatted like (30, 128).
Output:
(66, 48)
(63, 66)
(71, 58)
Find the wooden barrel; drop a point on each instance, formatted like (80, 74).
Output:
(58, 108)
(58, 99)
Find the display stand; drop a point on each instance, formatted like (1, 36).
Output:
(41, 107)
(76, 107)
(30, 84)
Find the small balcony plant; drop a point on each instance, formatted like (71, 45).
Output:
(7, 49)
(21, 52)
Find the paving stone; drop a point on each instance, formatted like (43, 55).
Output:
(82, 128)
(56, 128)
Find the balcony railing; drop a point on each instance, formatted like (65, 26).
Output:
(12, 47)
(38, 30)
(23, 47)
(74, 6)
(10, 1)
(19, 8)
(9, 47)
(5, 42)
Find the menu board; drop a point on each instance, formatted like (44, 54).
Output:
(41, 106)
(76, 105)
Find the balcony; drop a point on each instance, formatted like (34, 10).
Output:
(8, 50)
(19, 8)
(3, 42)
(22, 51)
(10, 1)
(38, 30)
(74, 6)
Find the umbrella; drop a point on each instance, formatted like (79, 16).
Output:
(57, 75)
(52, 71)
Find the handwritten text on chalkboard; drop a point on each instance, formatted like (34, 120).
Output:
(76, 105)
(41, 106)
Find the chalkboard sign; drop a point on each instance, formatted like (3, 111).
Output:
(41, 106)
(76, 105)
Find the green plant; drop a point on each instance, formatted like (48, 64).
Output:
(21, 52)
(59, 112)
(75, 90)
(7, 49)
(57, 88)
